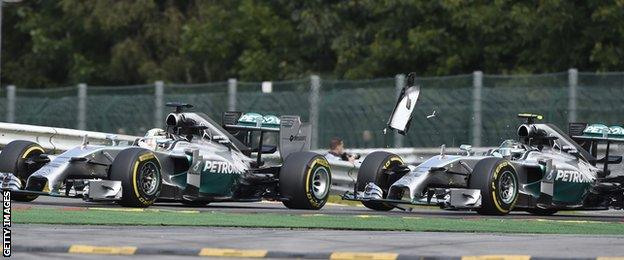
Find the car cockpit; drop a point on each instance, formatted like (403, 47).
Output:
(198, 126)
(511, 149)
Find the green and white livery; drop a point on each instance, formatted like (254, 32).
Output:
(195, 161)
(543, 171)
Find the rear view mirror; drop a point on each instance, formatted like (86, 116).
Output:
(570, 149)
(221, 139)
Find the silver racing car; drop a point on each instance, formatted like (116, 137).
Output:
(543, 171)
(194, 161)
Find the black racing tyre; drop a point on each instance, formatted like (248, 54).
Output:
(139, 171)
(498, 181)
(305, 181)
(373, 170)
(13, 160)
(542, 212)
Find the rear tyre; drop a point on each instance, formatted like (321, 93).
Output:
(139, 171)
(498, 182)
(542, 212)
(373, 169)
(305, 181)
(13, 160)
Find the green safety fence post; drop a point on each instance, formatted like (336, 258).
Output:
(232, 84)
(10, 113)
(477, 84)
(572, 90)
(159, 92)
(399, 82)
(315, 89)
(82, 106)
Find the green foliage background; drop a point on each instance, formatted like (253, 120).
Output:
(104, 42)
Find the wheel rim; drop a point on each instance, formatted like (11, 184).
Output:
(148, 178)
(320, 183)
(507, 187)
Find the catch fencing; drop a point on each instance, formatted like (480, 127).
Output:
(477, 108)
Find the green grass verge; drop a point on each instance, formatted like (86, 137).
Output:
(312, 221)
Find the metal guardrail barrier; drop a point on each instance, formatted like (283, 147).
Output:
(56, 139)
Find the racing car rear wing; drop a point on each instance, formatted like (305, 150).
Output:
(589, 136)
(596, 133)
(294, 136)
(234, 120)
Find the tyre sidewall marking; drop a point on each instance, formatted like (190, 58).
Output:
(134, 180)
(146, 157)
(24, 156)
(390, 160)
(493, 183)
(322, 163)
(29, 150)
(387, 164)
(135, 170)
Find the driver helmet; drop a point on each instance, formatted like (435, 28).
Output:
(509, 148)
(150, 140)
(155, 132)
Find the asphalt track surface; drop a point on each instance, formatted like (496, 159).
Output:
(302, 240)
(335, 209)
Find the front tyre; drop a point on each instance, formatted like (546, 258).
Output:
(305, 181)
(374, 169)
(14, 159)
(498, 181)
(139, 171)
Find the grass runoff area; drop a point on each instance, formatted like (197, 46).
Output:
(155, 217)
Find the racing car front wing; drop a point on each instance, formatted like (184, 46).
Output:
(452, 198)
(88, 190)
